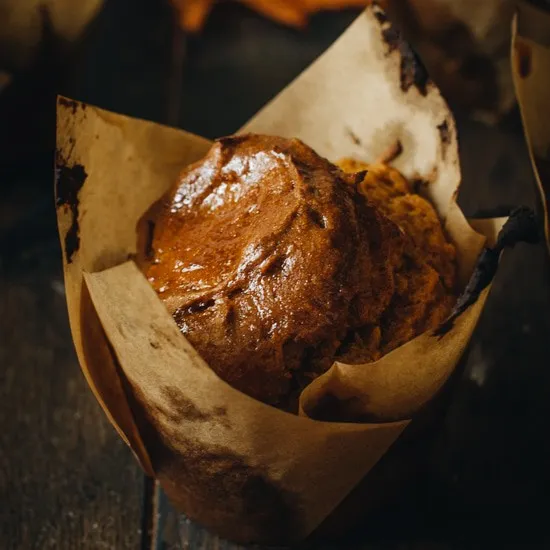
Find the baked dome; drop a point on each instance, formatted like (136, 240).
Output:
(274, 263)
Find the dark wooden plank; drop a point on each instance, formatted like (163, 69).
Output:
(66, 479)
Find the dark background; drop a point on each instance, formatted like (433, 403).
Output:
(67, 481)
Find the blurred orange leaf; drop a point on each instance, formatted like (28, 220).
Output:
(287, 12)
(193, 13)
(319, 5)
(293, 13)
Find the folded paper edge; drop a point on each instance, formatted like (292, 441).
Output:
(64, 208)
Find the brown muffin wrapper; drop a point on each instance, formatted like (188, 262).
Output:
(531, 73)
(249, 471)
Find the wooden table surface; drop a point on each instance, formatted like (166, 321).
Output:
(68, 482)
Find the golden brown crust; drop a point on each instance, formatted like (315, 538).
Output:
(275, 262)
(267, 255)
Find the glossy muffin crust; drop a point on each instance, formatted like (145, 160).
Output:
(275, 262)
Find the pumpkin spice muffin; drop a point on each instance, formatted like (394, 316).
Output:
(275, 263)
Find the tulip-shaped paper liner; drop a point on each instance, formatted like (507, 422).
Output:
(531, 72)
(243, 468)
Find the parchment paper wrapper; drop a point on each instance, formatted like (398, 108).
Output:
(531, 70)
(247, 470)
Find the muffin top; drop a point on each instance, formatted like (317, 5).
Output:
(268, 256)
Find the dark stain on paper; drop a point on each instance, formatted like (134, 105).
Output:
(223, 490)
(68, 183)
(462, 72)
(380, 14)
(445, 136)
(71, 104)
(522, 226)
(523, 59)
(162, 337)
(412, 71)
(214, 485)
(444, 132)
(354, 137)
(179, 407)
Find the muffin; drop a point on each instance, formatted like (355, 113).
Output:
(275, 262)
